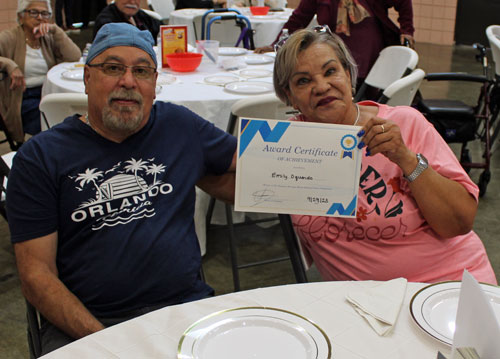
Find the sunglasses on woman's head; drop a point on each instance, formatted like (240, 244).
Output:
(317, 29)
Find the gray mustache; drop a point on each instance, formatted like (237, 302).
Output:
(125, 95)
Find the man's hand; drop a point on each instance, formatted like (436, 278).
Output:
(17, 79)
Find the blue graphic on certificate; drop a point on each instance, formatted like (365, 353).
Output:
(297, 168)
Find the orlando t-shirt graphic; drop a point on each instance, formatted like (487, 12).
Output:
(120, 194)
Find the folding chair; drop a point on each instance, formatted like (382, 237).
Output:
(4, 174)
(402, 92)
(34, 325)
(392, 63)
(268, 107)
(162, 7)
(56, 107)
(153, 14)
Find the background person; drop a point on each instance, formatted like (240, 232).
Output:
(101, 206)
(363, 25)
(416, 205)
(128, 11)
(27, 52)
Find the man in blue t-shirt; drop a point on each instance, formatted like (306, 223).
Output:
(101, 206)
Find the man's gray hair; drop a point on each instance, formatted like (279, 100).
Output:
(286, 58)
(23, 4)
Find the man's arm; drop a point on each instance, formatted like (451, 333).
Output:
(221, 187)
(36, 263)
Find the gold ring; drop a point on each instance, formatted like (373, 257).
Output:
(383, 129)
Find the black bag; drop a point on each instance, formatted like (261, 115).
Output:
(456, 129)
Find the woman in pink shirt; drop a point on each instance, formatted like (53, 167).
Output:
(416, 204)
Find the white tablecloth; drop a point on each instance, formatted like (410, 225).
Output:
(157, 334)
(266, 27)
(211, 102)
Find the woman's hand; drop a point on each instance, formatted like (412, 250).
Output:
(44, 29)
(263, 49)
(383, 136)
(410, 39)
(17, 79)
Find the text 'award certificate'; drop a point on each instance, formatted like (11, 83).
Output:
(297, 168)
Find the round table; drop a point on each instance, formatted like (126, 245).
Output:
(157, 334)
(189, 89)
(266, 27)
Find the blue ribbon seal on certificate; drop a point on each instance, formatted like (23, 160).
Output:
(348, 143)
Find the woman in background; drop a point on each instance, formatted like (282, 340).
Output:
(27, 52)
(416, 205)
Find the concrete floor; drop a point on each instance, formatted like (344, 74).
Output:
(259, 242)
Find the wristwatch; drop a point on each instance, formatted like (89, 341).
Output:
(421, 166)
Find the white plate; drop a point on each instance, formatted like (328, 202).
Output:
(434, 308)
(255, 73)
(254, 332)
(258, 59)
(220, 80)
(165, 79)
(232, 51)
(249, 87)
(74, 75)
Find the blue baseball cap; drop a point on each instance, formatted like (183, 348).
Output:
(121, 34)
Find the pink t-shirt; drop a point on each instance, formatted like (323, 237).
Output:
(390, 238)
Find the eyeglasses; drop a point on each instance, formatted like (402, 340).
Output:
(322, 29)
(115, 70)
(35, 13)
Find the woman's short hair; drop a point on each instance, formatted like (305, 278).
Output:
(23, 4)
(286, 58)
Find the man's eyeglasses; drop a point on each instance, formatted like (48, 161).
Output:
(318, 29)
(115, 70)
(35, 13)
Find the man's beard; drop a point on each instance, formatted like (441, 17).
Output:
(124, 122)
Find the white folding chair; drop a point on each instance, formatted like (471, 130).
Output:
(162, 7)
(401, 92)
(57, 106)
(493, 35)
(267, 107)
(392, 63)
(153, 14)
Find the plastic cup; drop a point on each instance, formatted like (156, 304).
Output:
(209, 48)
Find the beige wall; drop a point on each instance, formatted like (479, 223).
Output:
(434, 21)
(8, 14)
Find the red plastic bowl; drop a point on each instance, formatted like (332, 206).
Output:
(259, 10)
(184, 61)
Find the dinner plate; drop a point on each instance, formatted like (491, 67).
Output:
(434, 308)
(254, 332)
(249, 87)
(232, 51)
(165, 79)
(74, 75)
(258, 59)
(220, 80)
(252, 73)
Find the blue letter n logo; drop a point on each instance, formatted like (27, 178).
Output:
(339, 207)
(249, 129)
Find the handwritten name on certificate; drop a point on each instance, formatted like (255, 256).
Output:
(297, 168)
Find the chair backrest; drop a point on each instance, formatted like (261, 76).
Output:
(5, 164)
(162, 7)
(392, 63)
(493, 35)
(153, 14)
(401, 92)
(266, 106)
(56, 107)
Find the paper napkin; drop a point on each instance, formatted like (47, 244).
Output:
(476, 325)
(380, 305)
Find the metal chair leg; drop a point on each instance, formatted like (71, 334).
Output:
(232, 248)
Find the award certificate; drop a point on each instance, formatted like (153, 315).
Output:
(297, 168)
